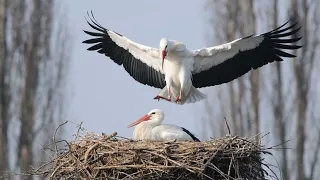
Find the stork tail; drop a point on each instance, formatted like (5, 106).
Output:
(193, 96)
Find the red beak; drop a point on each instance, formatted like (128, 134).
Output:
(164, 54)
(144, 118)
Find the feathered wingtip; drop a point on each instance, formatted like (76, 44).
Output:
(284, 38)
(276, 33)
(292, 30)
(95, 25)
(292, 22)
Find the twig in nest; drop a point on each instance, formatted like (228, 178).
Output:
(56, 169)
(225, 120)
(54, 136)
(172, 161)
(221, 147)
(230, 165)
(79, 128)
(86, 155)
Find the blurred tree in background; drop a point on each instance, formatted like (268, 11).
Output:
(280, 97)
(34, 58)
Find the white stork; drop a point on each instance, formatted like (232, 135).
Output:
(179, 71)
(149, 127)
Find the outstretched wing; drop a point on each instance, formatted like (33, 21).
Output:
(141, 62)
(224, 63)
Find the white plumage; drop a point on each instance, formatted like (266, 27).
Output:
(149, 127)
(179, 71)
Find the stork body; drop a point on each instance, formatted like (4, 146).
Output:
(149, 127)
(179, 71)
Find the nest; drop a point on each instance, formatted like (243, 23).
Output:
(110, 157)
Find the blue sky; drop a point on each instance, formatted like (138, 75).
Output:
(104, 96)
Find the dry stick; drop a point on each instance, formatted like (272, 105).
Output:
(83, 167)
(136, 166)
(54, 172)
(220, 172)
(79, 128)
(54, 136)
(230, 165)
(42, 166)
(224, 146)
(86, 155)
(36, 171)
(210, 159)
(188, 168)
(225, 120)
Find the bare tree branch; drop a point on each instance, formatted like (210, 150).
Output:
(315, 156)
(5, 95)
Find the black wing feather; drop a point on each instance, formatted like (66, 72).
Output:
(269, 50)
(103, 44)
(190, 134)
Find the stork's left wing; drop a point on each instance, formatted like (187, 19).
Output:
(221, 64)
(190, 134)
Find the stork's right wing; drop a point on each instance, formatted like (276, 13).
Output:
(141, 62)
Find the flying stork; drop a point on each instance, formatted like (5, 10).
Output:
(149, 127)
(179, 71)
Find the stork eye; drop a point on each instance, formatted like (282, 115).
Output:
(153, 113)
(166, 46)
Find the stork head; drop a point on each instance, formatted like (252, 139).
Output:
(154, 117)
(165, 46)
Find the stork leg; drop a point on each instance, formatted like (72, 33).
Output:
(161, 97)
(180, 96)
